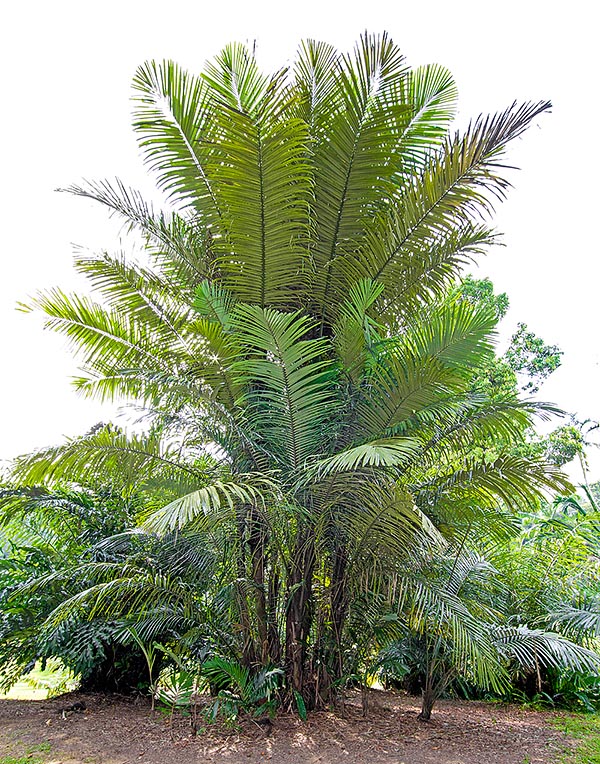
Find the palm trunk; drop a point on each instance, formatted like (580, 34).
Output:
(339, 609)
(431, 688)
(299, 616)
(256, 544)
(248, 647)
(273, 627)
(427, 703)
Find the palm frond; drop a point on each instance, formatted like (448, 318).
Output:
(459, 184)
(211, 500)
(180, 244)
(579, 622)
(425, 367)
(290, 379)
(390, 452)
(317, 79)
(516, 481)
(136, 459)
(234, 78)
(173, 116)
(530, 646)
(141, 292)
(436, 613)
(354, 159)
(262, 180)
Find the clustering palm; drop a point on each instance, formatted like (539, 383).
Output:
(289, 316)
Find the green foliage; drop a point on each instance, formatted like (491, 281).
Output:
(564, 444)
(481, 292)
(530, 357)
(453, 630)
(300, 705)
(576, 690)
(176, 689)
(51, 534)
(238, 690)
(550, 571)
(528, 360)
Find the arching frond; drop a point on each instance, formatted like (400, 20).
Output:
(262, 180)
(580, 622)
(438, 614)
(210, 500)
(104, 338)
(529, 646)
(459, 184)
(136, 459)
(424, 367)
(391, 452)
(181, 245)
(354, 160)
(317, 79)
(236, 81)
(517, 481)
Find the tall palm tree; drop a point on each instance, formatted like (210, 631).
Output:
(287, 313)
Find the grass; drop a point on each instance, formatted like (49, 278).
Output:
(585, 730)
(40, 748)
(29, 756)
(39, 685)
(24, 691)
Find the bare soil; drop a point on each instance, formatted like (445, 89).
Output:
(115, 730)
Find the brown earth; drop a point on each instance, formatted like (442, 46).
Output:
(114, 730)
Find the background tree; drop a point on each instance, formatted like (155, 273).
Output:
(528, 355)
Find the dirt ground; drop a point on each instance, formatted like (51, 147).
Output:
(114, 730)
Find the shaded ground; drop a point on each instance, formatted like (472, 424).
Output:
(118, 731)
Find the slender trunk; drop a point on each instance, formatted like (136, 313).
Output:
(329, 666)
(256, 544)
(427, 703)
(431, 689)
(299, 615)
(437, 679)
(339, 609)
(364, 697)
(248, 648)
(273, 627)
(538, 672)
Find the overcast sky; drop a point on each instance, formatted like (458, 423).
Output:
(65, 115)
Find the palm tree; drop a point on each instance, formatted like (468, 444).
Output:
(454, 629)
(46, 534)
(287, 314)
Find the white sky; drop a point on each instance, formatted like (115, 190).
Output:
(65, 115)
